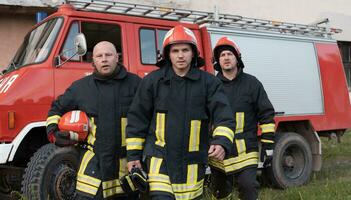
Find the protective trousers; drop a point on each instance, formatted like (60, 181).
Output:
(246, 180)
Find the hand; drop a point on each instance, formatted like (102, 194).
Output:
(134, 163)
(216, 151)
(267, 154)
(61, 139)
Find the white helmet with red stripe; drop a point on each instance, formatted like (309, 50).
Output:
(76, 123)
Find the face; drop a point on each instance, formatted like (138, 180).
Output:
(181, 56)
(105, 58)
(227, 60)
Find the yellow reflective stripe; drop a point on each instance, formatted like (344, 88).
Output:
(88, 180)
(155, 165)
(224, 131)
(123, 170)
(185, 187)
(240, 165)
(112, 191)
(267, 141)
(86, 158)
(192, 173)
(135, 143)
(130, 183)
(160, 129)
(111, 187)
(240, 158)
(124, 122)
(189, 195)
(110, 184)
(267, 128)
(157, 181)
(52, 120)
(194, 141)
(159, 186)
(86, 188)
(240, 121)
(92, 132)
(240, 146)
(158, 178)
(235, 163)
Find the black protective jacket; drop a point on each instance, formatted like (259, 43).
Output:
(168, 123)
(251, 107)
(106, 102)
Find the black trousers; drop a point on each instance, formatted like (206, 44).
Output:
(222, 185)
(99, 196)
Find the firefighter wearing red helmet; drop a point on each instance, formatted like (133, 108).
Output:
(105, 97)
(251, 106)
(168, 122)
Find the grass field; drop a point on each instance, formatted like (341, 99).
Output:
(333, 182)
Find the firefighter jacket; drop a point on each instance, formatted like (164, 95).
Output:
(106, 102)
(168, 124)
(251, 107)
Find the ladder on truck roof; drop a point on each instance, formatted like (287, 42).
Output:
(203, 18)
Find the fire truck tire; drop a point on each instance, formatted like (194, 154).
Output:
(51, 174)
(292, 161)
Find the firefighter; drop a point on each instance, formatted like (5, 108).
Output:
(105, 96)
(168, 122)
(251, 106)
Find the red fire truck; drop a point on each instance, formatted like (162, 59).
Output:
(299, 65)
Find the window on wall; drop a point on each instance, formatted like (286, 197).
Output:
(345, 51)
(151, 45)
(94, 33)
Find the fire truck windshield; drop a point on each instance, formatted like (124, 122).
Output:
(37, 44)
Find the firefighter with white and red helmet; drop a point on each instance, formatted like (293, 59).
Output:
(251, 106)
(105, 97)
(168, 122)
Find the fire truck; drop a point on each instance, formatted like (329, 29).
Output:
(299, 65)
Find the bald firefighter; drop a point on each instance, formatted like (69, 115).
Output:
(251, 107)
(168, 122)
(105, 96)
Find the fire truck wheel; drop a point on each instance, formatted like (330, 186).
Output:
(51, 173)
(292, 161)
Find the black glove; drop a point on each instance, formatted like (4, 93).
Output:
(135, 180)
(60, 139)
(267, 154)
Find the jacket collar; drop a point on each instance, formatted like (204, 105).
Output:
(168, 73)
(119, 73)
(224, 79)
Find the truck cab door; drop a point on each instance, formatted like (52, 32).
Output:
(79, 66)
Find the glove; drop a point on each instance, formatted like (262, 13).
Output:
(267, 154)
(60, 138)
(135, 180)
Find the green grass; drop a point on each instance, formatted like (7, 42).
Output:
(332, 182)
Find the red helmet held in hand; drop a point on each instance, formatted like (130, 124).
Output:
(76, 123)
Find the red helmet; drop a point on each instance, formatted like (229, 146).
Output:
(75, 122)
(225, 43)
(178, 35)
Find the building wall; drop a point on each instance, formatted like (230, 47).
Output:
(13, 29)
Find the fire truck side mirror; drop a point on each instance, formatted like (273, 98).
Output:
(80, 47)
(80, 44)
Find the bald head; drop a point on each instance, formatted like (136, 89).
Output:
(105, 58)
